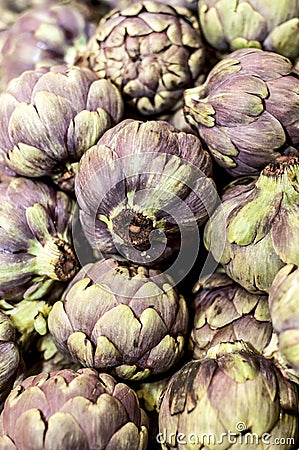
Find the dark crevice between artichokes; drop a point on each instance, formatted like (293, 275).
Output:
(134, 228)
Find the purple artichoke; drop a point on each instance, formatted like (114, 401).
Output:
(232, 399)
(151, 51)
(10, 357)
(44, 37)
(143, 190)
(81, 410)
(255, 231)
(36, 250)
(50, 117)
(128, 320)
(269, 24)
(247, 111)
(225, 312)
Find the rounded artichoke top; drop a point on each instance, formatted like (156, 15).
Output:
(224, 311)
(247, 109)
(151, 51)
(79, 410)
(51, 116)
(128, 320)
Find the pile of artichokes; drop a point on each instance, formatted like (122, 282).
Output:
(149, 225)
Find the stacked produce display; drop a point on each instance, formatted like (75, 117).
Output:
(149, 223)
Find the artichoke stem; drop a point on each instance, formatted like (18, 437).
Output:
(56, 259)
(67, 265)
(277, 167)
(133, 228)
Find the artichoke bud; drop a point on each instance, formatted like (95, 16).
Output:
(261, 225)
(224, 311)
(51, 117)
(88, 410)
(228, 25)
(153, 190)
(10, 357)
(132, 335)
(244, 396)
(283, 299)
(159, 56)
(36, 246)
(238, 110)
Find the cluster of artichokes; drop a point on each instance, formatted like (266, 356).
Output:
(149, 223)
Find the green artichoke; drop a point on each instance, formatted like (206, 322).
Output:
(143, 191)
(232, 399)
(44, 37)
(36, 251)
(10, 358)
(271, 25)
(51, 116)
(284, 308)
(247, 111)
(262, 228)
(70, 410)
(151, 51)
(127, 320)
(226, 312)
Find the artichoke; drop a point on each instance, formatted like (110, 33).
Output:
(143, 190)
(125, 319)
(271, 25)
(44, 37)
(247, 110)
(80, 410)
(232, 399)
(262, 229)
(36, 252)
(51, 116)
(151, 51)
(11, 9)
(284, 308)
(226, 312)
(10, 357)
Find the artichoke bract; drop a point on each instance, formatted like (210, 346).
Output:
(262, 228)
(284, 308)
(10, 358)
(232, 399)
(36, 250)
(247, 110)
(81, 410)
(271, 25)
(226, 312)
(143, 190)
(44, 37)
(51, 116)
(125, 319)
(151, 51)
